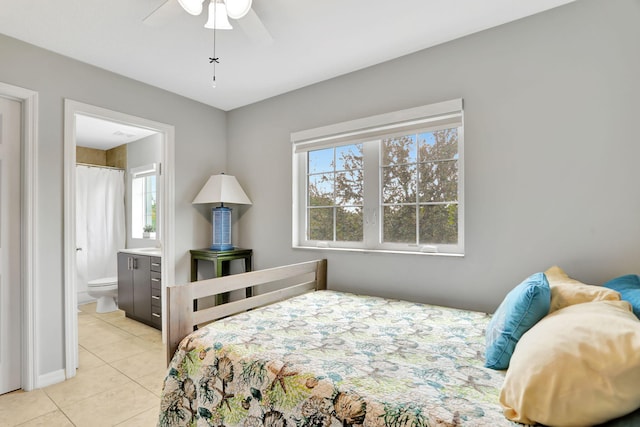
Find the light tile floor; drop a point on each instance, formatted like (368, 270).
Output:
(118, 382)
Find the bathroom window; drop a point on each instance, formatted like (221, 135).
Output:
(144, 202)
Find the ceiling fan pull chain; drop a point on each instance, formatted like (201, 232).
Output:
(214, 60)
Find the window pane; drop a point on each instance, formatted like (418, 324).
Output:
(150, 203)
(447, 142)
(349, 224)
(331, 185)
(399, 184)
(439, 224)
(320, 160)
(349, 157)
(349, 188)
(438, 145)
(399, 150)
(427, 147)
(399, 224)
(321, 190)
(438, 181)
(320, 224)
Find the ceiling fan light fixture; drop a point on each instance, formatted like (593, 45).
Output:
(218, 16)
(193, 7)
(237, 9)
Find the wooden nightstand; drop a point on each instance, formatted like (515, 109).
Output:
(221, 261)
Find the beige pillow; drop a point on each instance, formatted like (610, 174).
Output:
(566, 291)
(579, 366)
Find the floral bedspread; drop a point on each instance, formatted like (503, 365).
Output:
(335, 359)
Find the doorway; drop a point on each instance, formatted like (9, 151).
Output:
(10, 275)
(18, 333)
(75, 112)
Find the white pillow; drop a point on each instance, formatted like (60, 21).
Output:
(579, 366)
(566, 291)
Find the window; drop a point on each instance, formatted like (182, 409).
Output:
(335, 194)
(144, 202)
(388, 183)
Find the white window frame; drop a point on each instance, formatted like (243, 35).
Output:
(370, 131)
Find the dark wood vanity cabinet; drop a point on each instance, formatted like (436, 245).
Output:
(136, 274)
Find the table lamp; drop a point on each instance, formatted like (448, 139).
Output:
(222, 189)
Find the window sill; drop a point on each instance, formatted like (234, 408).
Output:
(384, 251)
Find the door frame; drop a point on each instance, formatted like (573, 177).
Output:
(167, 229)
(28, 239)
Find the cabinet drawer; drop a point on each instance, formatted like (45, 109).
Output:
(155, 292)
(156, 306)
(156, 298)
(156, 316)
(156, 280)
(156, 263)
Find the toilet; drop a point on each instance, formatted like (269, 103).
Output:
(106, 292)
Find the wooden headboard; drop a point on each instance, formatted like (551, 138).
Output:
(181, 317)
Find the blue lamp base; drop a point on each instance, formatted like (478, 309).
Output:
(221, 219)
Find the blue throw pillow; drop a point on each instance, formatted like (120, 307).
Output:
(522, 308)
(629, 288)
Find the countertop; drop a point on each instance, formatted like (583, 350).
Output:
(143, 251)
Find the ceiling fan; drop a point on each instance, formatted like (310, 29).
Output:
(239, 10)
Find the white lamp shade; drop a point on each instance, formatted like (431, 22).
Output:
(194, 7)
(218, 16)
(222, 189)
(236, 9)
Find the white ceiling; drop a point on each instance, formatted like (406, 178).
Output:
(102, 134)
(307, 41)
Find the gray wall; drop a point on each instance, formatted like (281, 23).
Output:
(200, 150)
(551, 146)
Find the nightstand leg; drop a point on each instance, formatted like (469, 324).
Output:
(194, 269)
(247, 267)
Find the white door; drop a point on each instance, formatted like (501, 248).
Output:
(10, 263)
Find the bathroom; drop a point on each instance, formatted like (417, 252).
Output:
(117, 204)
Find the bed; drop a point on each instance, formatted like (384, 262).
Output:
(300, 355)
(324, 358)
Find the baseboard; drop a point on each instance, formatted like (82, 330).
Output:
(84, 298)
(50, 378)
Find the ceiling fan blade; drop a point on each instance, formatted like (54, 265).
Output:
(163, 14)
(253, 27)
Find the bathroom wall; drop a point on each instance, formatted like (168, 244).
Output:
(115, 157)
(91, 156)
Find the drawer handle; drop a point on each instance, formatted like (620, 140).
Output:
(155, 297)
(155, 314)
(155, 280)
(155, 264)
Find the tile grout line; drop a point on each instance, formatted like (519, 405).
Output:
(146, 338)
(120, 371)
(59, 408)
(93, 354)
